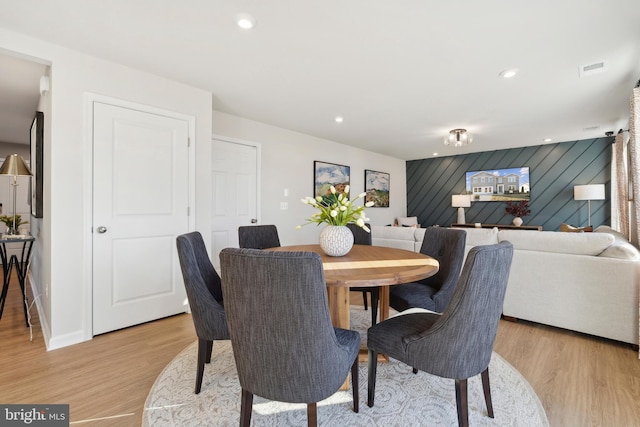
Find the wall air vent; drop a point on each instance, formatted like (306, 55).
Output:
(591, 69)
(591, 128)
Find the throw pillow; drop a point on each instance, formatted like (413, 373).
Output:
(411, 220)
(571, 229)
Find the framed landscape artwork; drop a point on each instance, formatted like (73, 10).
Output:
(36, 160)
(376, 185)
(498, 185)
(327, 174)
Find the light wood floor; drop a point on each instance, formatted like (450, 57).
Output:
(581, 380)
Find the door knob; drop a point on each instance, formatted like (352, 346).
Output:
(253, 220)
(102, 229)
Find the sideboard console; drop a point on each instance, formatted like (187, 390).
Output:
(499, 226)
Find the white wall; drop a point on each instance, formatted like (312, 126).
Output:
(61, 269)
(64, 234)
(287, 162)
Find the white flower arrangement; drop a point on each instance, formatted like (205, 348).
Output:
(337, 209)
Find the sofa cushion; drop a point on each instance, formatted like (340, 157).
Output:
(606, 229)
(621, 248)
(481, 236)
(571, 229)
(395, 233)
(551, 241)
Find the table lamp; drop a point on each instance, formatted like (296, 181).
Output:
(14, 165)
(588, 192)
(461, 201)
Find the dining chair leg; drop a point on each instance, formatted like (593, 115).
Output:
(487, 391)
(375, 297)
(364, 299)
(202, 356)
(246, 406)
(461, 403)
(372, 366)
(209, 350)
(355, 385)
(312, 414)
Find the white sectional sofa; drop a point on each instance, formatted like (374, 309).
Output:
(585, 282)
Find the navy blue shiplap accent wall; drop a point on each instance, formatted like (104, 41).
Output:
(553, 171)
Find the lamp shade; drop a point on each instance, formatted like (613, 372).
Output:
(588, 192)
(460, 201)
(14, 165)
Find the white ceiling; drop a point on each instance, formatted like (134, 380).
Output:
(401, 73)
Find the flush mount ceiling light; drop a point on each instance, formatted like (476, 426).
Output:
(507, 74)
(245, 21)
(458, 138)
(339, 119)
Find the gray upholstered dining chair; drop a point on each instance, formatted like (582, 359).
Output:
(363, 237)
(204, 293)
(458, 343)
(258, 236)
(434, 293)
(284, 344)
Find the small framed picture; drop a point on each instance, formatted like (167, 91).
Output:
(327, 174)
(376, 185)
(36, 163)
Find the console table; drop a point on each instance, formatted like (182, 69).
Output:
(500, 226)
(21, 266)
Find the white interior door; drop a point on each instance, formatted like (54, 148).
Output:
(141, 203)
(235, 193)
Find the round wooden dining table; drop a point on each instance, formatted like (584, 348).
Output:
(364, 266)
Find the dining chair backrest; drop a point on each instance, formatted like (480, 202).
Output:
(204, 293)
(446, 245)
(201, 280)
(283, 340)
(360, 235)
(459, 344)
(258, 236)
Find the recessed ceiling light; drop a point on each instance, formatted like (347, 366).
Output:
(339, 119)
(547, 140)
(507, 74)
(435, 154)
(245, 21)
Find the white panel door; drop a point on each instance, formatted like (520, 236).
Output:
(234, 186)
(141, 188)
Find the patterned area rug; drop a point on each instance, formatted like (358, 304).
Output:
(402, 398)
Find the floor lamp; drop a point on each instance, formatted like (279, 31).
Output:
(588, 192)
(461, 201)
(14, 165)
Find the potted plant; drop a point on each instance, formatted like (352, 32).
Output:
(519, 210)
(336, 210)
(12, 227)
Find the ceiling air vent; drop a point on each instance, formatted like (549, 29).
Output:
(595, 68)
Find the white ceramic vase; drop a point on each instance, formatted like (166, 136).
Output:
(517, 221)
(336, 240)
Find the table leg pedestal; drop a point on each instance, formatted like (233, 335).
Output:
(339, 310)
